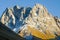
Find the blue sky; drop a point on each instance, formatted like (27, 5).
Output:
(53, 6)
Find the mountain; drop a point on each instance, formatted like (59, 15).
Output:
(29, 22)
(8, 34)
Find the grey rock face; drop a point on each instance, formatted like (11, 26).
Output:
(18, 19)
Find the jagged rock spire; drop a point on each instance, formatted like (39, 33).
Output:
(36, 18)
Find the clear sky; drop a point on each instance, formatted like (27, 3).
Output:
(53, 6)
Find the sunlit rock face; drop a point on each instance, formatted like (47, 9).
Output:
(29, 22)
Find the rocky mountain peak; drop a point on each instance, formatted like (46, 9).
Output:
(27, 19)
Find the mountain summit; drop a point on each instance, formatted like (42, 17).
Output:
(29, 22)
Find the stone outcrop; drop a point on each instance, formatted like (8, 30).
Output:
(38, 19)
